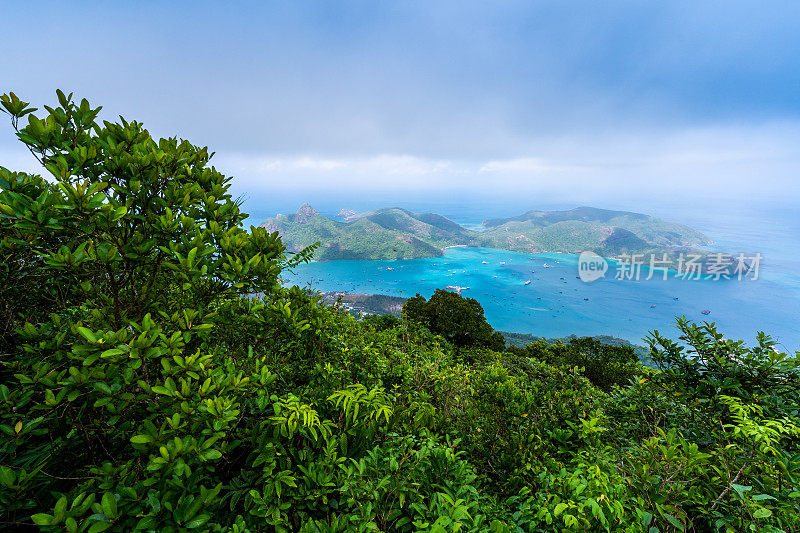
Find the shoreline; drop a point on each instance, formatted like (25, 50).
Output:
(587, 317)
(614, 258)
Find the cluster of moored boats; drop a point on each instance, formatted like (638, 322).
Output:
(458, 288)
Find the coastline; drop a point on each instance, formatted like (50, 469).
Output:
(557, 303)
(615, 258)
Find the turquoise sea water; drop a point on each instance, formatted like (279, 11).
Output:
(557, 304)
(551, 306)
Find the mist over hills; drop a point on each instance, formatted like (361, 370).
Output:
(395, 233)
(588, 228)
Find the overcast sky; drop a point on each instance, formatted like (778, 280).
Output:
(578, 101)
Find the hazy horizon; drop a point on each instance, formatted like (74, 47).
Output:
(615, 105)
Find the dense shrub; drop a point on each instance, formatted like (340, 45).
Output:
(156, 376)
(459, 320)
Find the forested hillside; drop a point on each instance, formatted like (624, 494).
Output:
(588, 228)
(382, 234)
(144, 388)
(395, 233)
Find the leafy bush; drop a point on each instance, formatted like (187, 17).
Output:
(459, 320)
(156, 376)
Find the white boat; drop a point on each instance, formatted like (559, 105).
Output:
(528, 282)
(456, 288)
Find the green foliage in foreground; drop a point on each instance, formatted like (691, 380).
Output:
(459, 320)
(141, 389)
(605, 365)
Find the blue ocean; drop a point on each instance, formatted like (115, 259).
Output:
(556, 303)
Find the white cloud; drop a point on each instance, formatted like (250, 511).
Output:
(385, 170)
(529, 165)
(724, 162)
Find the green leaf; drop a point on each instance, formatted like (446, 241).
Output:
(102, 387)
(60, 508)
(42, 519)
(209, 455)
(759, 497)
(109, 504)
(762, 512)
(741, 489)
(7, 476)
(672, 520)
(87, 334)
(152, 499)
(142, 439)
(147, 523)
(198, 521)
(97, 527)
(120, 212)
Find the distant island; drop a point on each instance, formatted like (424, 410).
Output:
(395, 233)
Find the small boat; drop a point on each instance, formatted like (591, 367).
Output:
(456, 288)
(484, 262)
(528, 282)
(706, 312)
(652, 306)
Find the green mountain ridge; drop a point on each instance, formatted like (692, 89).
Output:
(396, 233)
